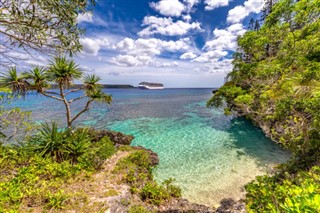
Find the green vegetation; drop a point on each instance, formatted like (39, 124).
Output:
(136, 171)
(276, 83)
(36, 174)
(62, 72)
(12, 119)
(55, 168)
(43, 26)
(285, 192)
(138, 209)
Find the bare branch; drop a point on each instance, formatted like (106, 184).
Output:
(84, 110)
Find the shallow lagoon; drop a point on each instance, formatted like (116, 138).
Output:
(210, 155)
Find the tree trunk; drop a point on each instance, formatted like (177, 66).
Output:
(68, 112)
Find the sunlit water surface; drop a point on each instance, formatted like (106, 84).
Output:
(210, 155)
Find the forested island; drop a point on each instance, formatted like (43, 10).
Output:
(275, 83)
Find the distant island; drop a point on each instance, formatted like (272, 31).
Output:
(105, 86)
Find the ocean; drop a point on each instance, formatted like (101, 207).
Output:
(210, 155)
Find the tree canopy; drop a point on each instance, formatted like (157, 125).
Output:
(45, 26)
(62, 72)
(276, 76)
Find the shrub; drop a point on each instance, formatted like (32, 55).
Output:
(154, 193)
(97, 153)
(138, 209)
(137, 173)
(299, 192)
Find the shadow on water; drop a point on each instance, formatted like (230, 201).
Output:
(250, 140)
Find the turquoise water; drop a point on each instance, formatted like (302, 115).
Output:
(210, 155)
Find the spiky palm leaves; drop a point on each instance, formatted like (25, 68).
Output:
(38, 76)
(17, 83)
(93, 89)
(63, 71)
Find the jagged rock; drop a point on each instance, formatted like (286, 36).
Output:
(184, 206)
(228, 205)
(154, 158)
(115, 137)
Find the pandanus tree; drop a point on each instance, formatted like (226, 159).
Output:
(63, 73)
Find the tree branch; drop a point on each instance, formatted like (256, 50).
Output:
(74, 90)
(76, 99)
(84, 110)
(51, 96)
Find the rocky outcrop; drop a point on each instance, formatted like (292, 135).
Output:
(115, 137)
(229, 205)
(184, 206)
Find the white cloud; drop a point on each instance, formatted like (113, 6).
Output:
(225, 39)
(187, 18)
(91, 46)
(131, 61)
(211, 56)
(150, 47)
(188, 55)
(142, 52)
(166, 26)
(190, 4)
(168, 7)
(85, 17)
(237, 14)
(213, 4)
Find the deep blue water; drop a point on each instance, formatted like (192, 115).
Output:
(210, 155)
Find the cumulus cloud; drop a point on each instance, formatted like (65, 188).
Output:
(187, 17)
(85, 17)
(225, 39)
(141, 52)
(237, 14)
(190, 4)
(213, 4)
(166, 26)
(188, 55)
(168, 7)
(91, 46)
(151, 46)
(211, 56)
(131, 61)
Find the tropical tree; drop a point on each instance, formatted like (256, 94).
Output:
(63, 73)
(44, 26)
(13, 121)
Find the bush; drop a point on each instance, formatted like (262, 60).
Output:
(97, 153)
(37, 181)
(138, 209)
(137, 173)
(284, 192)
(74, 146)
(154, 193)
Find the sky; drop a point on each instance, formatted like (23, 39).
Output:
(180, 43)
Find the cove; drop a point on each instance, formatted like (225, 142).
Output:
(210, 155)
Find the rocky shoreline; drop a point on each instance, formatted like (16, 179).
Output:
(175, 205)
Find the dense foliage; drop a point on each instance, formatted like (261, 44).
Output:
(46, 26)
(36, 174)
(136, 170)
(13, 121)
(276, 76)
(285, 192)
(276, 83)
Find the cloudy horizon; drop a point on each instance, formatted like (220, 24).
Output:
(180, 43)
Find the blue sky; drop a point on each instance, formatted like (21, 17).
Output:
(181, 43)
